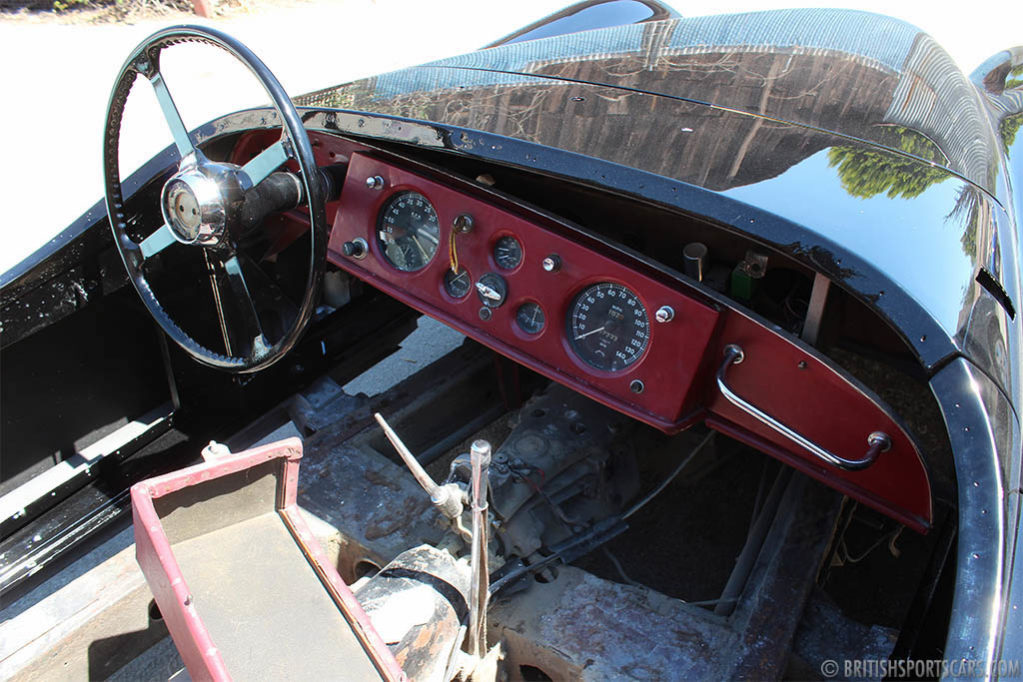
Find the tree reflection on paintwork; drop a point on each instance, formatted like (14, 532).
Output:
(867, 172)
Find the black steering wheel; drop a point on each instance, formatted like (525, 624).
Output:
(206, 206)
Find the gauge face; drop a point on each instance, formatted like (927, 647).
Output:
(507, 253)
(530, 318)
(408, 231)
(608, 327)
(457, 286)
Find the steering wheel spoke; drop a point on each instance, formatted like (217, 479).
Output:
(239, 321)
(278, 311)
(156, 242)
(263, 164)
(171, 115)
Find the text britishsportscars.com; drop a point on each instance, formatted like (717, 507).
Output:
(916, 669)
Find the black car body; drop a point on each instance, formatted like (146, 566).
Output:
(854, 195)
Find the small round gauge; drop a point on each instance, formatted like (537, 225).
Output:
(457, 286)
(408, 231)
(530, 317)
(608, 327)
(507, 253)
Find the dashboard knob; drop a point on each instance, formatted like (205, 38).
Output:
(552, 263)
(356, 248)
(665, 314)
(375, 182)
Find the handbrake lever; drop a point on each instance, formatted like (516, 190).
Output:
(447, 498)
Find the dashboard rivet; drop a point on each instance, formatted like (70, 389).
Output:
(636, 386)
(552, 263)
(375, 182)
(462, 223)
(485, 313)
(665, 314)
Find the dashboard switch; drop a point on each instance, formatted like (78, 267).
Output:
(492, 290)
(357, 248)
(375, 182)
(665, 314)
(552, 263)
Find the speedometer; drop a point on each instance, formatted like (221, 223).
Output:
(408, 231)
(608, 326)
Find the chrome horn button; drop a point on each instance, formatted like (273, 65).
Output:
(197, 201)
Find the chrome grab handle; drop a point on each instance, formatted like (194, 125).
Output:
(877, 442)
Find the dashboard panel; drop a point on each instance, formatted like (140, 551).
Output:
(515, 283)
(542, 292)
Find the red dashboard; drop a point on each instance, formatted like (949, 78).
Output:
(652, 387)
(640, 339)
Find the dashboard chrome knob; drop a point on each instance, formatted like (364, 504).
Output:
(375, 182)
(356, 248)
(552, 263)
(665, 314)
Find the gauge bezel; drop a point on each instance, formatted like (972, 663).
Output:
(381, 247)
(448, 294)
(578, 355)
(519, 330)
(498, 236)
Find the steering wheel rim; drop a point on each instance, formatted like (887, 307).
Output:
(193, 168)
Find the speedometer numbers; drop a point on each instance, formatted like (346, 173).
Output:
(408, 231)
(608, 327)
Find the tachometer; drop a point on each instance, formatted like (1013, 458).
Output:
(408, 231)
(608, 327)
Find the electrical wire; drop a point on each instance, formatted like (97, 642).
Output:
(618, 566)
(664, 484)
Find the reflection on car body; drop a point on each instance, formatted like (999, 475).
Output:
(741, 375)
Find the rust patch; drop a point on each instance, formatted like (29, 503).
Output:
(377, 477)
(395, 519)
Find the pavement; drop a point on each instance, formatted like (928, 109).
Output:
(56, 78)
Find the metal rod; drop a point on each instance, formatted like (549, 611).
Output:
(418, 472)
(479, 588)
(694, 257)
(750, 550)
(815, 311)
